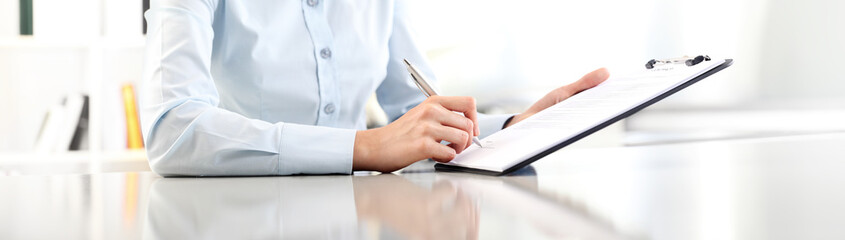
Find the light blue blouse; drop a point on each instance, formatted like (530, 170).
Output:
(272, 87)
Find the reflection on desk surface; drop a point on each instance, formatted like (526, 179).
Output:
(308, 208)
(773, 188)
(382, 206)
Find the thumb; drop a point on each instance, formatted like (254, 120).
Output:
(555, 96)
(588, 81)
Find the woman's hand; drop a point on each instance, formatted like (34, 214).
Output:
(417, 134)
(588, 81)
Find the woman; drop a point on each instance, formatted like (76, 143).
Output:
(279, 87)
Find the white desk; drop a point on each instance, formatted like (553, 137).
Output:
(765, 188)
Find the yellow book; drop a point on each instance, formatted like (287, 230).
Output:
(134, 140)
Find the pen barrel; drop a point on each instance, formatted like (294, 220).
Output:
(427, 90)
(421, 83)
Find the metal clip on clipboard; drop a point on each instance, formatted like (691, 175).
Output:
(689, 61)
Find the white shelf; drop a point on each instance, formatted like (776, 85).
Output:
(24, 42)
(88, 47)
(77, 162)
(73, 156)
(93, 66)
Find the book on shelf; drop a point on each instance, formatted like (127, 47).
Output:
(134, 139)
(25, 17)
(145, 5)
(65, 126)
(80, 136)
(48, 134)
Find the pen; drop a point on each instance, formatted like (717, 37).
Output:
(427, 90)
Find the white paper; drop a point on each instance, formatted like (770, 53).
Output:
(574, 116)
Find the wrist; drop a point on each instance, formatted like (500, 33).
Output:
(362, 151)
(517, 118)
(508, 122)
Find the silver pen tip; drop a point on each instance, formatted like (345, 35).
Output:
(476, 141)
(406, 61)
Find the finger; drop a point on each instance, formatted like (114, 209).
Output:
(450, 119)
(433, 112)
(457, 147)
(465, 105)
(469, 143)
(437, 152)
(456, 137)
(588, 81)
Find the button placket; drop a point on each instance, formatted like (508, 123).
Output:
(322, 39)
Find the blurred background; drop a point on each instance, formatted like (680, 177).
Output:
(786, 78)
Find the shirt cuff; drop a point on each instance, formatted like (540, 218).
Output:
(306, 149)
(489, 124)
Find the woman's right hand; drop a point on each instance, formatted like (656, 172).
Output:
(417, 135)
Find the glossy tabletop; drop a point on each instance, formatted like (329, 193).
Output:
(766, 188)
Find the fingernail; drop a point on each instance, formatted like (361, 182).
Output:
(604, 73)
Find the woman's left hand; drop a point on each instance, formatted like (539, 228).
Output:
(588, 81)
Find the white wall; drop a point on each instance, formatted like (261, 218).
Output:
(9, 12)
(69, 20)
(804, 50)
(498, 50)
(514, 51)
(504, 52)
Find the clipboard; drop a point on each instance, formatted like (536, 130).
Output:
(514, 153)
